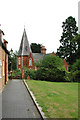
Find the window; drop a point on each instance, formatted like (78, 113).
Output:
(0, 68)
(19, 61)
(3, 68)
(30, 62)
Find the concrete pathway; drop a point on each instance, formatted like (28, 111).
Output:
(16, 101)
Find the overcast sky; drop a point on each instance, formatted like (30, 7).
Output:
(42, 19)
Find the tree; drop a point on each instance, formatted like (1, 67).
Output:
(12, 60)
(76, 39)
(67, 48)
(51, 69)
(36, 48)
(75, 71)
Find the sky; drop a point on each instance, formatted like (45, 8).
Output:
(42, 20)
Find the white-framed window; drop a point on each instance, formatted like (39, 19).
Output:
(19, 61)
(0, 68)
(30, 62)
(3, 68)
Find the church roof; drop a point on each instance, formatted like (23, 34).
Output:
(37, 56)
(24, 49)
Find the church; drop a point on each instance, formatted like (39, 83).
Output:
(26, 58)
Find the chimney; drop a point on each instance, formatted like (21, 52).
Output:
(43, 50)
(5, 43)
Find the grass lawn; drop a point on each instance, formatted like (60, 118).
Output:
(58, 100)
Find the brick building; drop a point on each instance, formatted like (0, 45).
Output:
(26, 58)
(3, 61)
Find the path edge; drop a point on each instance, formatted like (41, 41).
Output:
(35, 102)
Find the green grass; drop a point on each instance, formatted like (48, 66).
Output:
(58, 100)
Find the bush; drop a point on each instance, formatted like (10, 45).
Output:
(75, 72)
(51, 69)
(31, 73)
(16, 74)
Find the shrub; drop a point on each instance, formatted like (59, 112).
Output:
(51, 69)
(16, 74)
(75, 71)
(31, 73)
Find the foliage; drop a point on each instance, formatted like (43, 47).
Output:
(67, 48)
(75, 72)
(16, 74)
(51, 69)
(12, 60)
(31, 73)
(76, 39)
(36, 48)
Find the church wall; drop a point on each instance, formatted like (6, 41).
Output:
(31, 67)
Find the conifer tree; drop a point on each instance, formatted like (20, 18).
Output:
(68, 48)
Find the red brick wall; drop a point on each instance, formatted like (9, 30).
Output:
(25, 62)
(2, 58)
(1, 68)
(6, 67)
(31, 67)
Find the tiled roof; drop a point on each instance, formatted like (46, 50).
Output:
(24, 46)
(37, 56)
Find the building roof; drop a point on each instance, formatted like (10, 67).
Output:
(24, 49)
(37, 57)
(2, 44)
(2, 32)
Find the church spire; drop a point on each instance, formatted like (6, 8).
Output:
(24, 49)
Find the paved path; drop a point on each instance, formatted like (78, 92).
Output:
(16, 101)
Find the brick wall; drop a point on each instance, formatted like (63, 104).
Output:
(3, 63)
(25, 61)
(0, 68)
(6, 67)
(3, 67)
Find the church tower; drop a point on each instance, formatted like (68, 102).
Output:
(24, 57)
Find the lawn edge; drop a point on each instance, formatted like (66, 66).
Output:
(34, 100)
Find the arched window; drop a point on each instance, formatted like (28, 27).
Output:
(30, 62)
(19, 61)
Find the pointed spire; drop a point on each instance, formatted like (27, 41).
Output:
(24, 49)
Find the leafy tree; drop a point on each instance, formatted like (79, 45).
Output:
(12, 60)
(51, 69)
(36, 48)
(75, 72)
(68, 48)
(76, 39)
